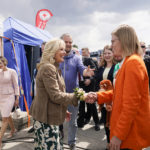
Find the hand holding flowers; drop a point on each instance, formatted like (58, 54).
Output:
(80, 94)
(90, 97)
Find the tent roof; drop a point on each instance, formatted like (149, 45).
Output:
(24, 33)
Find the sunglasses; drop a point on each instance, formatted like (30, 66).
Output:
(143, 46)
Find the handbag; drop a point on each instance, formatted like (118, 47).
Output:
(17, 112)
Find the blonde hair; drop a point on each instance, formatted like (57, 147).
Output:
(50, 50)
(128, 39)
(4, 60)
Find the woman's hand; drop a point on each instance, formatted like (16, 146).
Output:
(17, 101)
(68, 115)
(115, 143)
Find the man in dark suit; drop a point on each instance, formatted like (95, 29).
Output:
(88, 84)
(146, 59)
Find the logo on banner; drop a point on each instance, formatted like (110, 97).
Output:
(42, 18)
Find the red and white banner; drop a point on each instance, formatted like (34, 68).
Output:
(42, 18)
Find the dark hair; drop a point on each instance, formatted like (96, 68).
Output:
(4, 60)
(85, 48)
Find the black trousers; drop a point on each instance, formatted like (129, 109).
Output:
(107, 131)
(91, 111)
(61, 127)
(81, 115)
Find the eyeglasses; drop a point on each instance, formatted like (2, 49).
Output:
(142, 46)
(112, 41)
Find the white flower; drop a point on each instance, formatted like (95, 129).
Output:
(79, 92)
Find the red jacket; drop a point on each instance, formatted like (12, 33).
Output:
(130, 120)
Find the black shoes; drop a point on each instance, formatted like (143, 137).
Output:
(97, 128)
(101, 121)
(80, 125)
(31, 130)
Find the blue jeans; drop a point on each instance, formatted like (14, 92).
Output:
(72, 129)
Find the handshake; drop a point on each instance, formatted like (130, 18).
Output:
(90, 97)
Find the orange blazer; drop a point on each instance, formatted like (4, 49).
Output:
(130, 119)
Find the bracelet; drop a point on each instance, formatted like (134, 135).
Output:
(79, 92)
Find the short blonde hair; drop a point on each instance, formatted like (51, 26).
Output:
(50, 50)
(65, 35)
(4, 60)
(128, 39)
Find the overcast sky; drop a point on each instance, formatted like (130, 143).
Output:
(90, 22)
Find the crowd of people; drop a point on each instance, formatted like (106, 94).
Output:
(118, 84)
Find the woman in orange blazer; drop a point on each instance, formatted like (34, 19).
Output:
(130, 119)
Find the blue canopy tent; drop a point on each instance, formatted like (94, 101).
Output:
(20, 34)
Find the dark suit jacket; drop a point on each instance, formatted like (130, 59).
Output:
(91, 86)
(147, 63)
(99, 76)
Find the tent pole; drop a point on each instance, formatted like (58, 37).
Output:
(1, 47)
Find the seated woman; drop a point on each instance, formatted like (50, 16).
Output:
(130, 118)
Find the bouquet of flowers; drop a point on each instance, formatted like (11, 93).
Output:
(79, 92)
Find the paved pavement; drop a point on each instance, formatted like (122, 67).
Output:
(87, 139)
